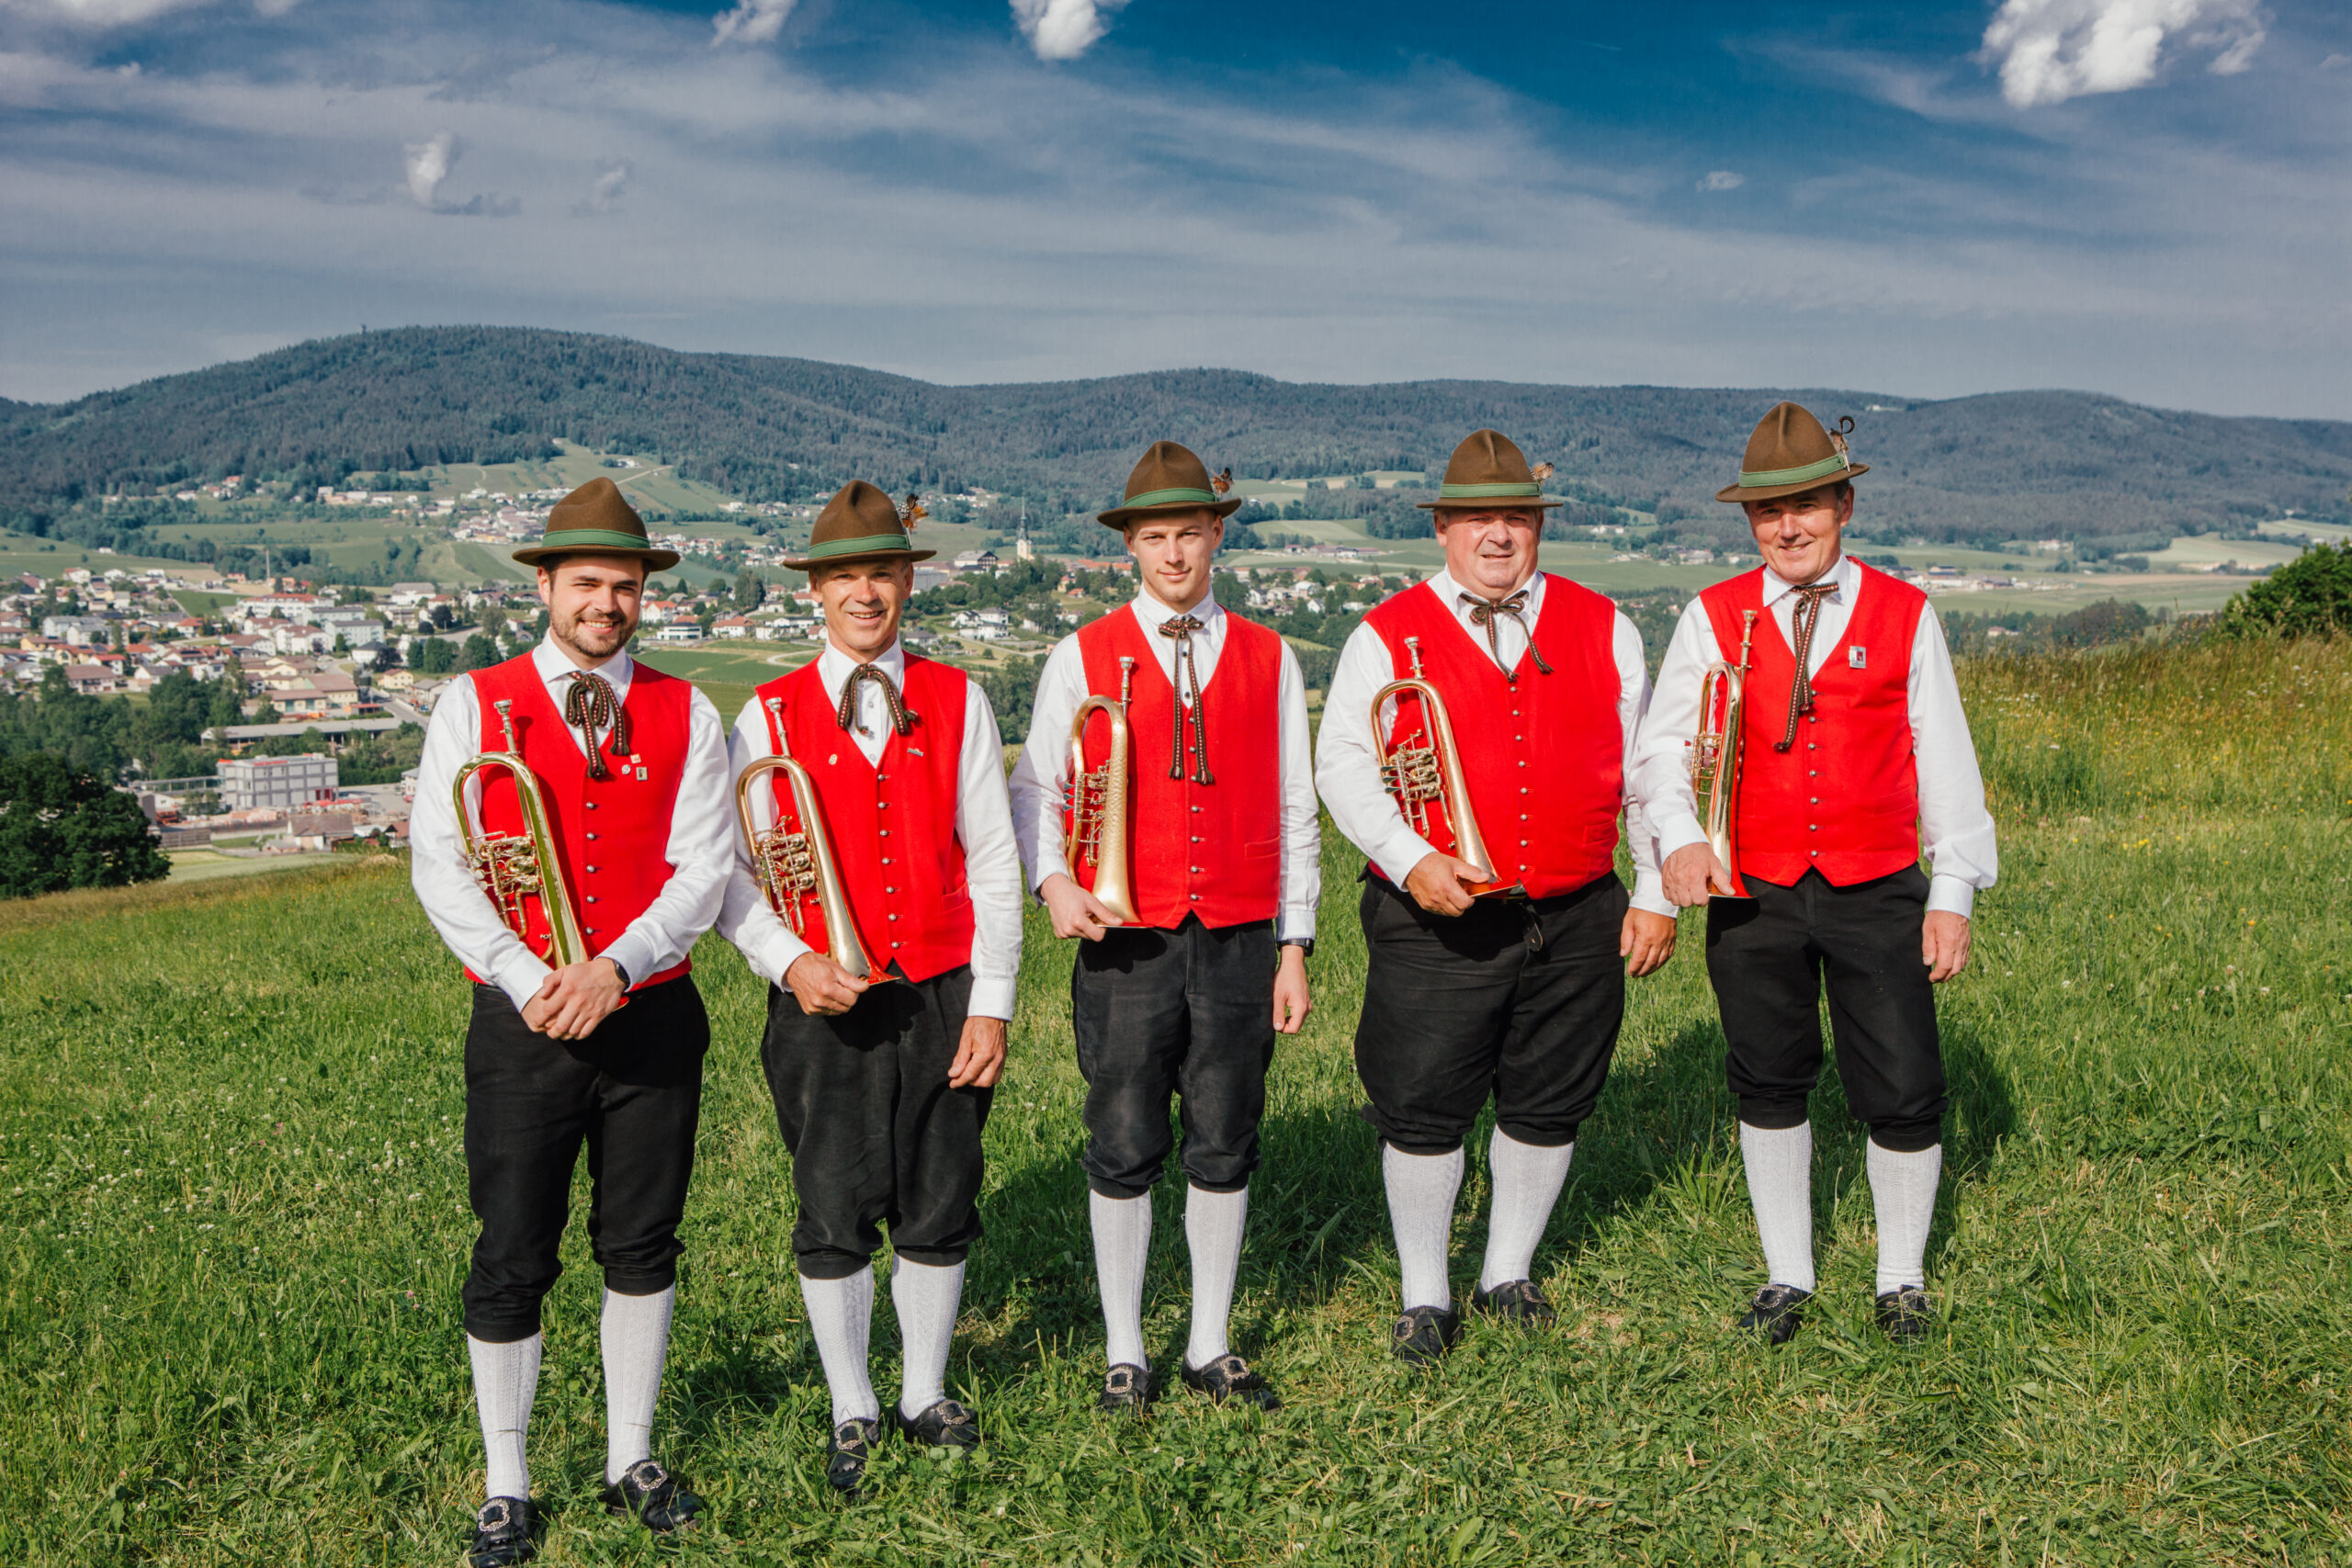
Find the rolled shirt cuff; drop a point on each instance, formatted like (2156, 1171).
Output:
(1649, 895)
(521, 976)
(635, 953)
(1677, 831)
(1050, 864)
(1951, 895)
(777, 954)
(1399, 854)
(1297, 923)
(992, 996)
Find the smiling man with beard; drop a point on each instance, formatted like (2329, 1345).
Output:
(606, 1052)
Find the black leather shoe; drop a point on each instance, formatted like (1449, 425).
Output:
(946, 1425)
(1906, 1315)
(1516, 1301)
(502, 1534)
(1422, 1336)
(1229, 1378)
(651, 1496)
(846, 1452)
(1126, 1387)
(1777, 1312)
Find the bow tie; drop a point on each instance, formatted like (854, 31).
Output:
(589, 705)
(1483, 613)
(1182, 629)
(1805, 617)
(901, 721)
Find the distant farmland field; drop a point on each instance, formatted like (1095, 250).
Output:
(232, 1224)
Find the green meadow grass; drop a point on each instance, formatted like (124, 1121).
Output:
(233, 1227)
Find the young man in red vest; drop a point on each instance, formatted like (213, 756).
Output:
(1499, 979)
(605, 1051)
(1853, 748)
(1184, 998)
(882, 1079)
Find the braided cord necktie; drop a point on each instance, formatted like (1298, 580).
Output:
(901, 721)
(589, 705)
(1483, 613)
(1806, 616)
(1188, 670)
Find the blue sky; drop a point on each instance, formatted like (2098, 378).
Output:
(2150, 198)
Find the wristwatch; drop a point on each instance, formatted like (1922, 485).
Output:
(618, 970)
(1305, 945)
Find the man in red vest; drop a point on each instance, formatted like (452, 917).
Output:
(630, 767)
(1184, 997)
(882, 1075)
(1497, 976)
(1853, 748)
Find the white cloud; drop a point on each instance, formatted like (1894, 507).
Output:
(606, 190)
(1721, 179)
(120, 12)
(2050, 51)
(1063, 30)
(429, 163)
(751, 21)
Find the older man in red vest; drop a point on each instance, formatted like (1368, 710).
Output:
(882, 1078)
(601, 1049)
(1182, 995)
(1853, 749)
(1494, 978)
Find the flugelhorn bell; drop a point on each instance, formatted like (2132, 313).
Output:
(1714, 759)
(1423, 770)
(792, 858)
(1096, 844)
(518, 870)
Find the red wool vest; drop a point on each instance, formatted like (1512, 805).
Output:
(1545, 756)
(1844, 800)
(612, 834)
(1210, 849)
(893, 826)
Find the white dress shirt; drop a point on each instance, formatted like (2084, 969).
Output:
(1953, 823)
(701, 823)
(1040, 779)
(1346, 755)
(983, 826)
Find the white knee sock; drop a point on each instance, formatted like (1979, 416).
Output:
(928, 1297)
(1779, 1185)
(1212, 1226)
(840, 1318)
(506, 1379)
(1122, 1243)
(1528, 1177)
(1421, 1189)
(636, 1335)
(1903, 1191)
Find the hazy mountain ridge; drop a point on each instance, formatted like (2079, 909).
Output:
(2000, 465)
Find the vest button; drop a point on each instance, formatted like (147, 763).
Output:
(591, 931)
(1816, 800)
(592, 837)
(592, 897)
(882, 805)
(592, 871)
(591, 806)
(894, 916)
(1812, 826)
(1196, 837)
(1194, 870)
(889, 890)
(894, 944)
(1195, 897)
(885, 859)
(881, 778)
(885, 832)
(1522, 761)
(1814, 853)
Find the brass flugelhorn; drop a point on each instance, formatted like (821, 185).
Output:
(1424, 773)
(794, 859)
(1098, 806)
(1714, 757)
(515, 868)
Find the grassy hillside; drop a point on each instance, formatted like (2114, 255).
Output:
(233, 1227)
(2009, 465)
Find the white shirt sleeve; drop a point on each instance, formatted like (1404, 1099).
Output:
(767, 943)
(1040, 779)
(991, 861)
(1633, 703)
(1660, 775)
(701, 821)
(1954, 825)
(1302, 856)
(468, 923)
(1347, 760)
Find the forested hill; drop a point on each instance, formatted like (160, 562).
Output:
(2000, 466)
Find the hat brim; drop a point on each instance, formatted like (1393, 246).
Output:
(1767, 492)
(910, 556)
(1120, 517)
(655, 559)
(1492, 503)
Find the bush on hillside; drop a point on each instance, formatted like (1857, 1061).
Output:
(61, 828)
(2309, 595)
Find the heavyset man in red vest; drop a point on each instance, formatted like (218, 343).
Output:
(1222, 849)
(1853, 748)
(1499, 979)
(631, 766)
(882, 1081)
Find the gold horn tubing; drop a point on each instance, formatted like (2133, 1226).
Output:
(1420, 773)
(794, 860)
(513, 867)
(1716, 757)
(1098, 806)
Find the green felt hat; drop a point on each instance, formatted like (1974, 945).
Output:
(859, 524)
(1489, 471)
(1169, 480)
(596, 520)
(1790, 452)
